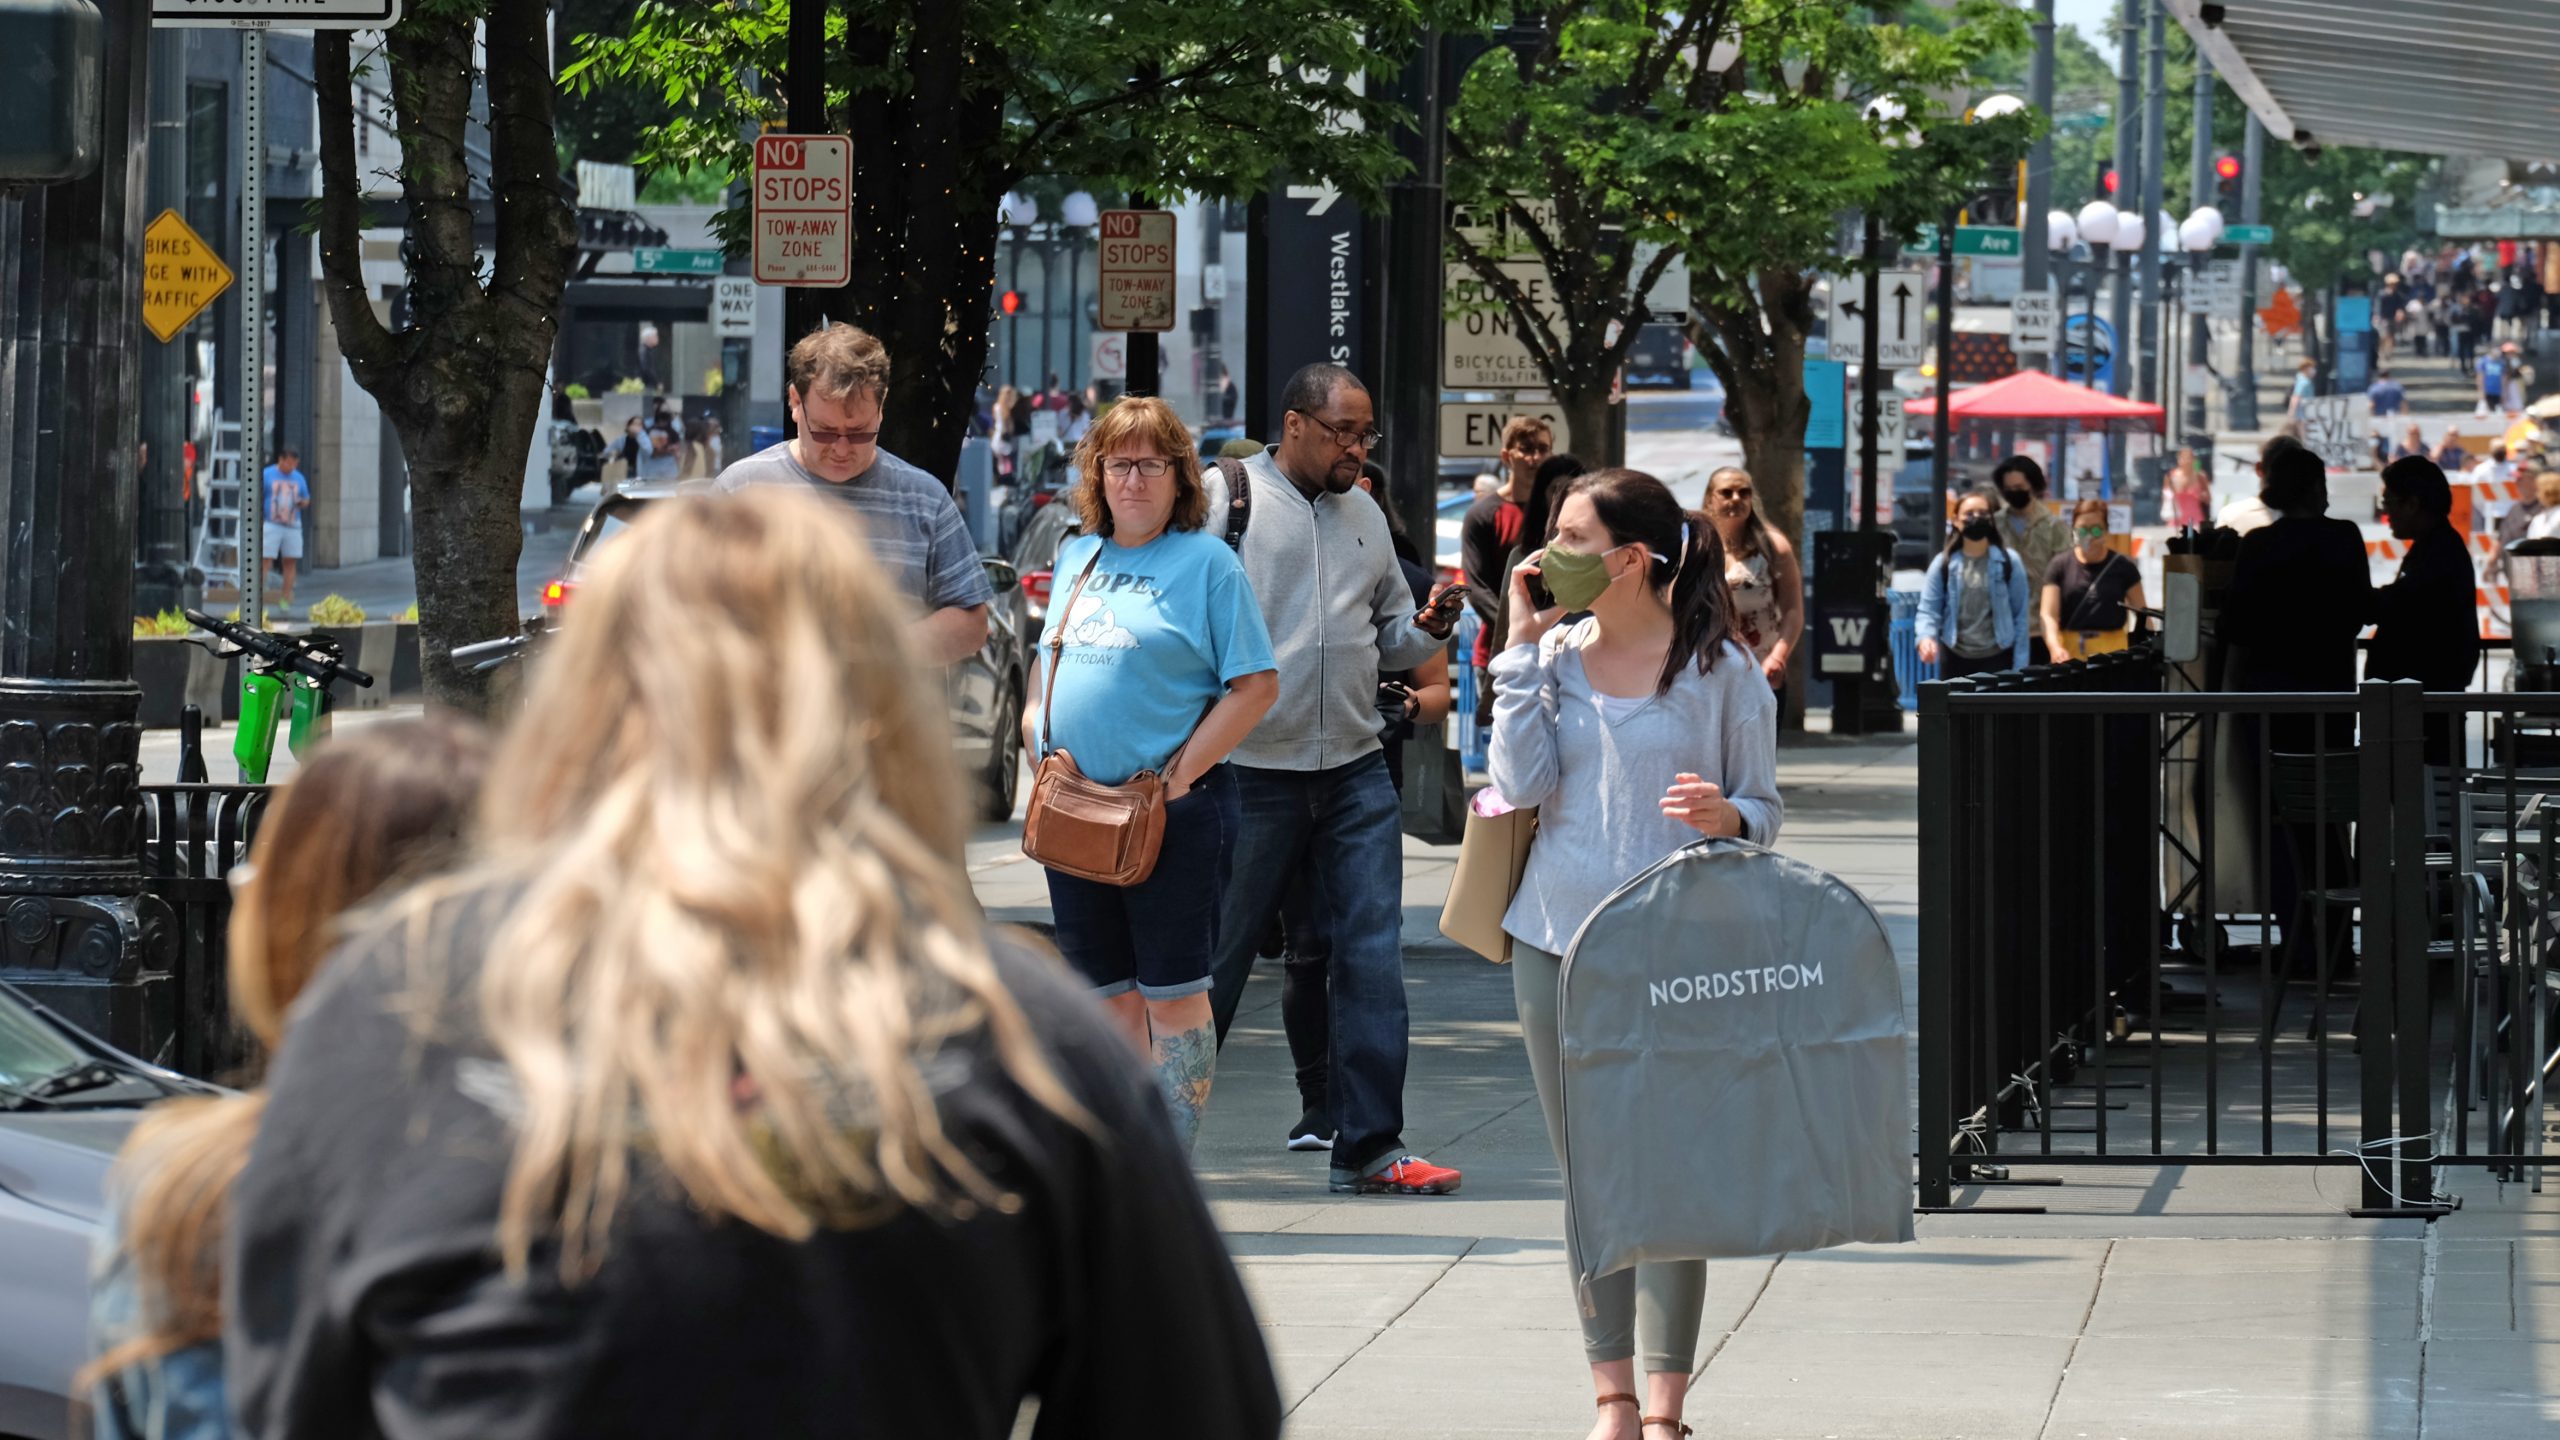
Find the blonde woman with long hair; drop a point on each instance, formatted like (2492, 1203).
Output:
(377, 805)
(705, 1104)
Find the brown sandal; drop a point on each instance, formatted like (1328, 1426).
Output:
(1605, 1401)
(1647, 1422)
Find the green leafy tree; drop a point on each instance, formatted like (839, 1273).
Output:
(953, 102)
(487, 251)
(1615, 132)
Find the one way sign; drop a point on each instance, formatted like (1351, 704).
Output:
(1902, 339)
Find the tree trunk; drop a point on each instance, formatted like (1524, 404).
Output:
(925, 200)
(463, 385)
(1759, 355)
(1593, 423)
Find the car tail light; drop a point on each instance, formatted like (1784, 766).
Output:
(1036, 586)
(1041, 498)
(555, 594)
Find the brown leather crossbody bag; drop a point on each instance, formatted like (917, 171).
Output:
(1109, 834)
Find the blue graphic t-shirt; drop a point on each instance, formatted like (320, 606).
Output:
(1153, 639)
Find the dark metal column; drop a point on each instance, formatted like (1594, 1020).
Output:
(2243, 413)
(2031, 228)
(75, 928)
(2199, 193)
(160, 548)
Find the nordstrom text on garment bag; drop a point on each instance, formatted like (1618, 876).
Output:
(1734, 1073)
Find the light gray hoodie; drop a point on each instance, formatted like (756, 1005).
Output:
(1339, 612)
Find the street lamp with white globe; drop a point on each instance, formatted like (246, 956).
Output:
(1079, 215)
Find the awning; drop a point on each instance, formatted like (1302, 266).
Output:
(2441, 77)
(2032, 398)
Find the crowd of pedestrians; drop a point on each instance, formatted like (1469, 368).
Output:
(621, 1058)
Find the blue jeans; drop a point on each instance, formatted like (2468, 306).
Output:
(1345, 824)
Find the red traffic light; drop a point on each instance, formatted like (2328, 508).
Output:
(1010, 302)
(2227, 167)
(2111, 182)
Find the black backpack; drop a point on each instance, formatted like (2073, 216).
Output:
(1239, 502)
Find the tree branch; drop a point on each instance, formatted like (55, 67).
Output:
(371, 350)
(536, 228)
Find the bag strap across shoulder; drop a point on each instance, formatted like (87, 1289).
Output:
(1057, 641)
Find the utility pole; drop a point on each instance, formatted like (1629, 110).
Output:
(2199, 186)
(2035, 273)
(2242, 413)
(2155, 116)
(2128, 196)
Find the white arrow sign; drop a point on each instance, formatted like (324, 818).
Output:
(2033, 316)
(1902, 319)
(1323, 195)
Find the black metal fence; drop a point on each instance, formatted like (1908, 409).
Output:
(2194, 928)
(193, 836)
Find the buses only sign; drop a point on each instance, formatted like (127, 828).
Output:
(804, 209)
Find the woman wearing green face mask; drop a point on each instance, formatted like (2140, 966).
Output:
(2088, 589)
(1634, 730)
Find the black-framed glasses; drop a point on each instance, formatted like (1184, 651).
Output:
(1369, 441)
(1154, 467)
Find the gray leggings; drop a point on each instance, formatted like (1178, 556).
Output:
(1662, 1300)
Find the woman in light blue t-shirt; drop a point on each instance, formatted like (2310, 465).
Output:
(1162, 664)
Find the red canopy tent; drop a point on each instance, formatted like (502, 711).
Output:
(2032, 400)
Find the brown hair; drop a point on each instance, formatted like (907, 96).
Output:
(1755, 532)
(1141, 418)
(2085, 505)
(837, 361)
(1520, 427)
(379, 805)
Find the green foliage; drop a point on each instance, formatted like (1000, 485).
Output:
(165, 625)
(1158, 96)
(336, 610)
(576, 391)
(1745, 171)
(408, 616)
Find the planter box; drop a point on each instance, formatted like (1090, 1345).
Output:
(174, 674)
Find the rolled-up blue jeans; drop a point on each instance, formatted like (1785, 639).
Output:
(1344, 823)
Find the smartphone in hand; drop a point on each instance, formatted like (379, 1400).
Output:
(1441, 612)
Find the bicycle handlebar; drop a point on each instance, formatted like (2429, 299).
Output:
(299, 653)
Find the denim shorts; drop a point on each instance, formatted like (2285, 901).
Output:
(1157, 937)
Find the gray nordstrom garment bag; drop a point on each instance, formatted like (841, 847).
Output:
(1734, 1077)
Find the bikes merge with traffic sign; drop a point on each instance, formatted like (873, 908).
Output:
(804, 210)
(1902, 304)
(1135, 287)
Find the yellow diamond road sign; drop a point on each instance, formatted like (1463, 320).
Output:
(180, 275)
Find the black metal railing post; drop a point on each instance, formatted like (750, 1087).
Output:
(2378, 964)
(2412, 1025)
(1937, 945)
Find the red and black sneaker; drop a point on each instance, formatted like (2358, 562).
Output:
(1408, 1175)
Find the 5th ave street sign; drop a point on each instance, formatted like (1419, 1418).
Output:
(660, 260)
(2248, 234)
(1994, 242)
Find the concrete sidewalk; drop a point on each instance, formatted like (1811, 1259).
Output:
(2152, 1302)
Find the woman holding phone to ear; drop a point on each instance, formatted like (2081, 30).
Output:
(1634, 730)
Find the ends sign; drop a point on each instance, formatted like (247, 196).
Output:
(804, 210)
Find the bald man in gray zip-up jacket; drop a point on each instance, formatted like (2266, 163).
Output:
(1339, 612)
(1314, 792)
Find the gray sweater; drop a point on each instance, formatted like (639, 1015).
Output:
(1338, 610)
(1598, 785)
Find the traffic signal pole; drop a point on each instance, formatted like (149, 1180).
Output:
(2034, 253)
(2200, 186)
(2243, 414)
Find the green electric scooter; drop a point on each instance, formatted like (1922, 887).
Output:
(280, 675)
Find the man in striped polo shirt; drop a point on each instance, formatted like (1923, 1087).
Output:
(836, 381)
